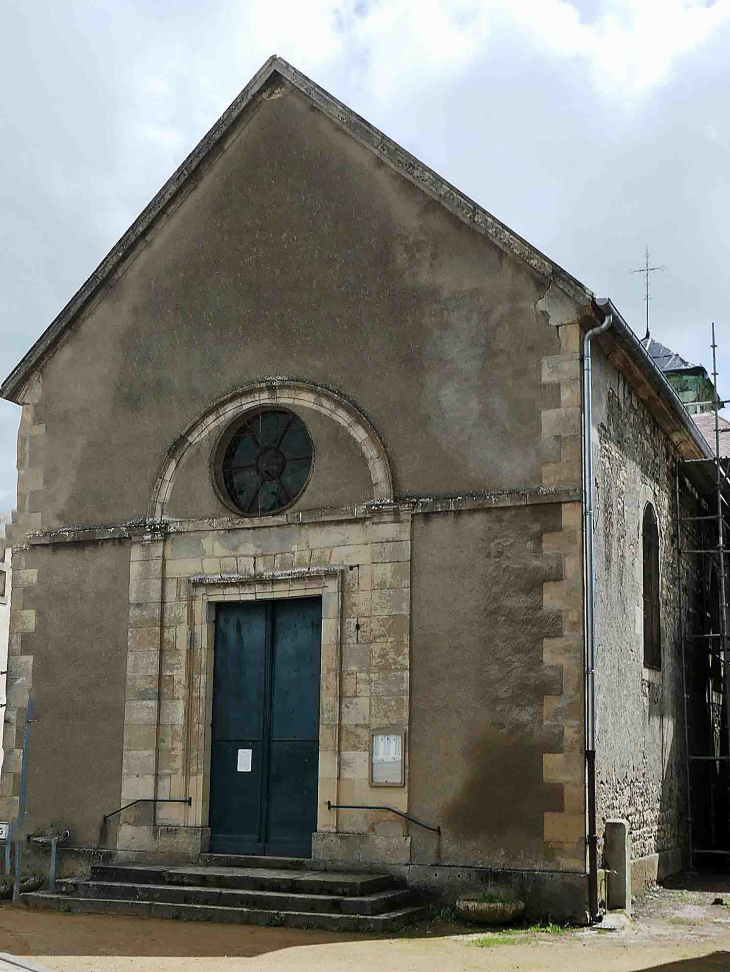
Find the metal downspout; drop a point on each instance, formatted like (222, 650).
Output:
(588, 613)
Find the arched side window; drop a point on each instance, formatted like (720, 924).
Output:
(652, 626)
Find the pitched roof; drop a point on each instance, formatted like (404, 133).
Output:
(705, 422)
(205, 153)
(664, 358)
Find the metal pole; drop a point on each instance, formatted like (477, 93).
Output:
(683, 635)
(52, 875)
(8, 847)
(714, 770)
(23, 791)
(16, 879)
(725, 648)
(24, 765)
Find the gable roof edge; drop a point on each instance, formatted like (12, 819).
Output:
(665, 404)
(435, 185)
(391, 153)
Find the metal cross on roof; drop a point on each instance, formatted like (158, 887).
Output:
(646, 270)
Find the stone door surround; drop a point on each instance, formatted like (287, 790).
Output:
(361, 569)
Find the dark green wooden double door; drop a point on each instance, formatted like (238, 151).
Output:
(265, 733)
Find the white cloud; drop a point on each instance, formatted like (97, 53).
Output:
(592, 127)
(629, 47)
(385, 48)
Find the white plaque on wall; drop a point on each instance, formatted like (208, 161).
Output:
(244, 761)
(387, 759)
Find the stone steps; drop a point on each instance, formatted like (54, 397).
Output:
(391, 921)
(268, 894)
(256, 878)
(249, 860)
(371, 904)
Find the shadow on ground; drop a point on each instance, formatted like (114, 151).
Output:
(717, 962)
(717, 882)
(26, 932)
(29, 932)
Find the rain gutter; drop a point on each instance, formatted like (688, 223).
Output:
(589, 631)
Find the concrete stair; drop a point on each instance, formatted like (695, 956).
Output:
(291, 892)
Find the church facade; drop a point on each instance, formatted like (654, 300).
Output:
(299, 558)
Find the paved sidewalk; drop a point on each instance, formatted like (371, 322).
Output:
(11, 963)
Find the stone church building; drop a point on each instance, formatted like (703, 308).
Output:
(299, 549)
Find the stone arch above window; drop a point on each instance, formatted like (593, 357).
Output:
(283, 392)
(651, 589)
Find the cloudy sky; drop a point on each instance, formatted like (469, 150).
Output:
(591, 127)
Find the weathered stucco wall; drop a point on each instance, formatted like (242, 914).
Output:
(639, 721)
(478, 735)
(150, 608)
(69, 643)
(300, 253)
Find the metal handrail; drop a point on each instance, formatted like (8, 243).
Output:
(406, 816)
(187, 800)
(54, 840)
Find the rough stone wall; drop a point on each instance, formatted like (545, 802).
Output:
(562, 710)
(22, 620)
(639, 715)
(5, 582)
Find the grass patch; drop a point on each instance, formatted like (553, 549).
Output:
(491, 897)
(520, 935)
(549, 928)
(492, 941)
(437, 914)
(448, 914)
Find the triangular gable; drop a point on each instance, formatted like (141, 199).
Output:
(205, 154)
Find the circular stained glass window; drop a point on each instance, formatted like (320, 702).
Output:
(265, 462)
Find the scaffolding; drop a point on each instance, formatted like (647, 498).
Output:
(702, 503)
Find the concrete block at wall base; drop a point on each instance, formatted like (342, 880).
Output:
(380, 849)
(185, 842)
(354, 849)
(646, 871)
(617, 854)
(558, 895)
(70, 862)
(155, 842)
(136, 838)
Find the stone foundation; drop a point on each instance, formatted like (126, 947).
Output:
(557, 895)
(352, 849)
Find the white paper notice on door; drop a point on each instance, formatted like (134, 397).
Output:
(244, 761)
